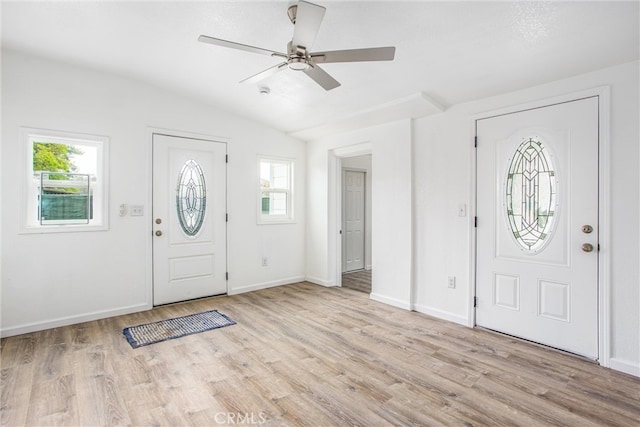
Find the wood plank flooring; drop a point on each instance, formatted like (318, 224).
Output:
(358, 281)
(304, 355)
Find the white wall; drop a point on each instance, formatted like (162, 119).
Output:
(363, 163)
(62, 278)
(391, 209)
(442, 178)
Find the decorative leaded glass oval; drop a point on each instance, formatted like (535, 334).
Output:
(191, 197)
(531, 195)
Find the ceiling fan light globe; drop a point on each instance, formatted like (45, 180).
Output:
(298, 64)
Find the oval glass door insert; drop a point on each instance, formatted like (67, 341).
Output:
(191, 198)
(531, 195)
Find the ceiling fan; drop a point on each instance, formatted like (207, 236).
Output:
(307, 18)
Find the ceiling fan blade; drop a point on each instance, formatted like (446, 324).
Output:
(355, 55)
(321, 77)
(308, 19)
(239, 46)
(264, 74)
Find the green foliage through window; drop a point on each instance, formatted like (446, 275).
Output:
(54, 157)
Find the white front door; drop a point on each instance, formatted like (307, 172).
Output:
(189, 218)
(354, 220)
(537, 225)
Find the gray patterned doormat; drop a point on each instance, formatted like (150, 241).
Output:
(151, 333)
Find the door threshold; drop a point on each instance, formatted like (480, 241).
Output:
(191, 300)
(537, 344)
(360, 270)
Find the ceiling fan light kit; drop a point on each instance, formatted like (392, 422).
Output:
(298, 63)
(306, 18)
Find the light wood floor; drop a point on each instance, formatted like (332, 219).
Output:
(357, 280)
(304, 355)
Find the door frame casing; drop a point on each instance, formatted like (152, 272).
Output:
(604, 206)
(148, 216)
(334, 173)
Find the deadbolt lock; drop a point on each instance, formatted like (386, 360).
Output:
(159, 221)
(158, 233)
(587, 229)
(587, 247)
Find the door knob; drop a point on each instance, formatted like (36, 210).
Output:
(587, 247)
(587, 229)
(159, 221)
(158, 233)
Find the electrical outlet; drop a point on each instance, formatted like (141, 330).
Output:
(265, 261)
(452, 282)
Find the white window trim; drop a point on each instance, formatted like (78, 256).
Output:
(102, 188)
(276, 219)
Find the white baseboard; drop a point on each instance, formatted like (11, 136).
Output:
(71, 320)
(440, 314)
(625, 366)
(265, 285)
(321, 282)
(390, 301)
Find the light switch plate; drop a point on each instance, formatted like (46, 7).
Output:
(137, 210)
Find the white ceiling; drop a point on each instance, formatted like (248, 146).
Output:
(446, 52)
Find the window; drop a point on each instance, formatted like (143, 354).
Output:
(275, 204)
(531, 195)
(191, 198)
(65, 182)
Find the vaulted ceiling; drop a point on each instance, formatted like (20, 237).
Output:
(446, 52)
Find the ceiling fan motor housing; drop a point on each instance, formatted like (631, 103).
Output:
(298, 58)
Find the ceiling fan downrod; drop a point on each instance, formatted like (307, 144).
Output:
(292, 12)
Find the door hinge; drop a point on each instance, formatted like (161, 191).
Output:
(475, 222)
(475, 302)
(475, 141)
(226, 158)
(226, 275)
(226, 217)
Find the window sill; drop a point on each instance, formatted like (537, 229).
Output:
(63, 229)
(272, 221)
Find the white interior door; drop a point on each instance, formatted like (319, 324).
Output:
(537, 225)
(354, 232)
(189, 219)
